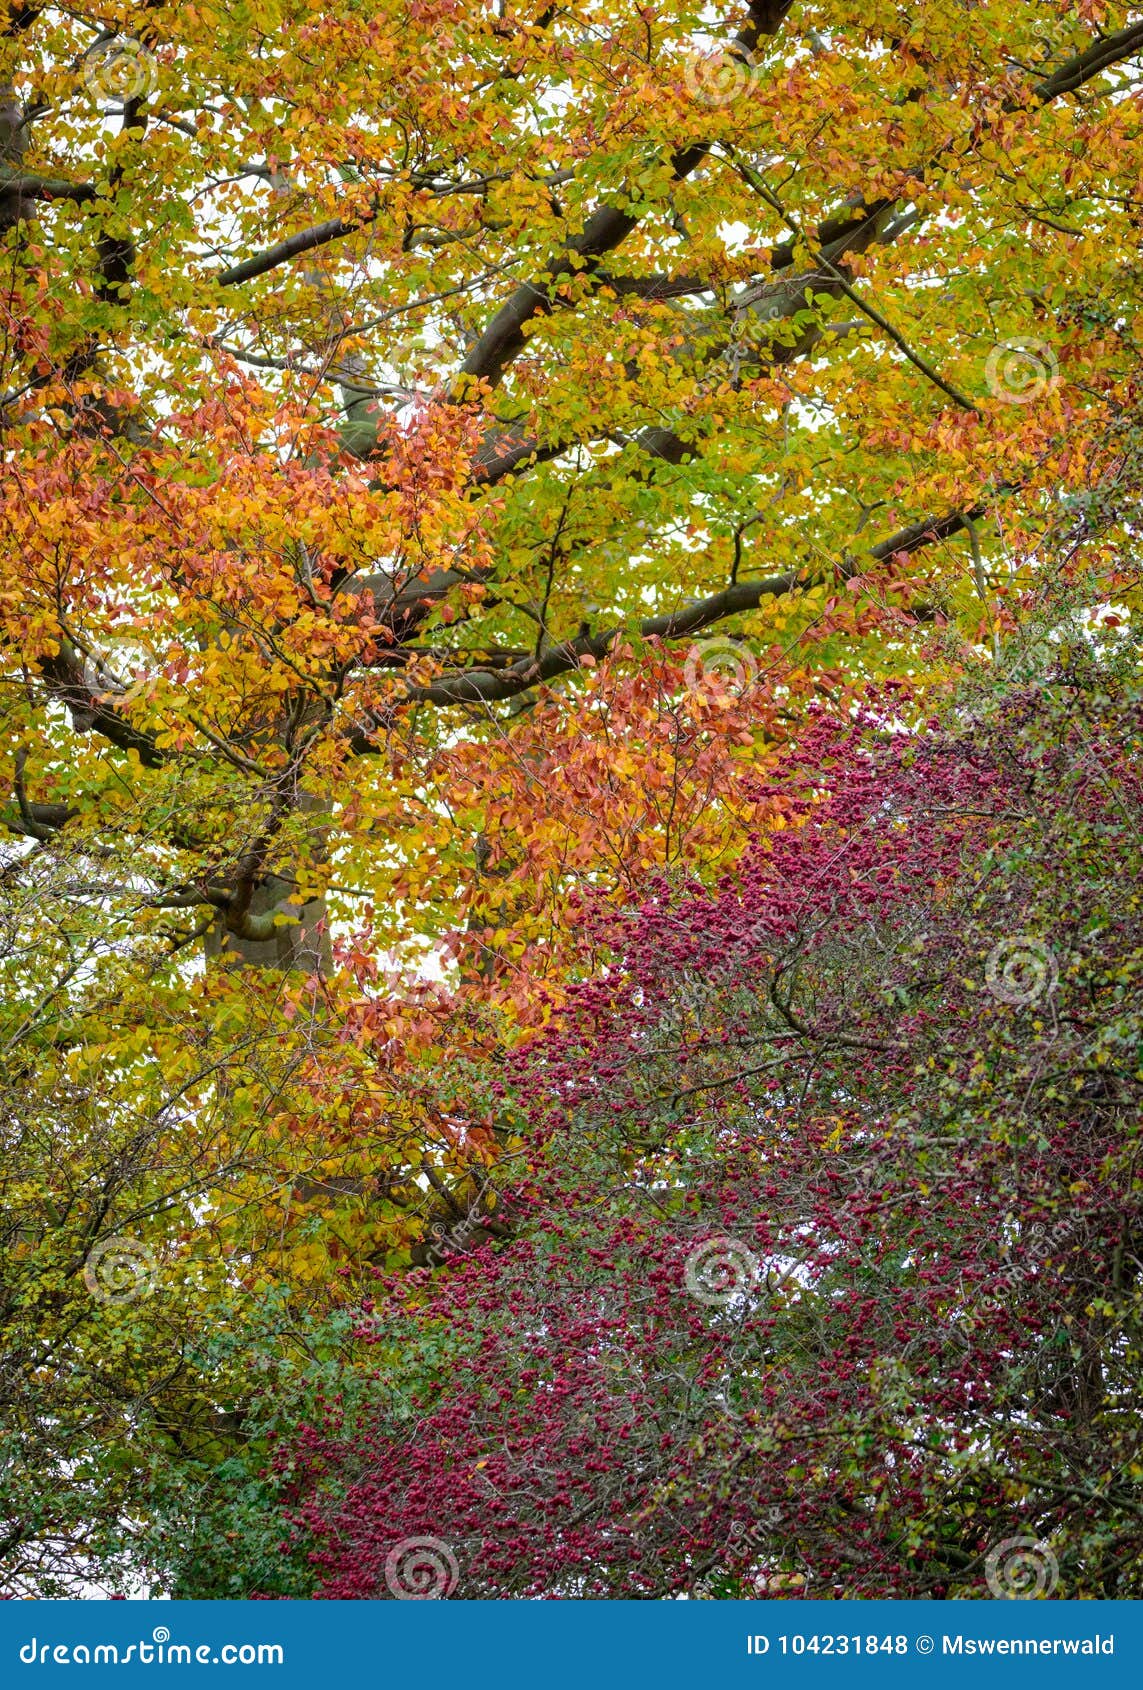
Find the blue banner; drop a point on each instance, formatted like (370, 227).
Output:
(588, 1645)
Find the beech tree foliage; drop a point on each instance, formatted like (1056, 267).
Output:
(362, 362)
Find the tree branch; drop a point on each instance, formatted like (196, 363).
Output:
(504, 338)
(486, 687)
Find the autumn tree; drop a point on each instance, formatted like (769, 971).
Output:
(364, 371)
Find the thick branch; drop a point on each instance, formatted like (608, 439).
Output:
(1101, 55)
(606, 228)
(89, 710)
(486, 687)
(292, 247)
(46, 188)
